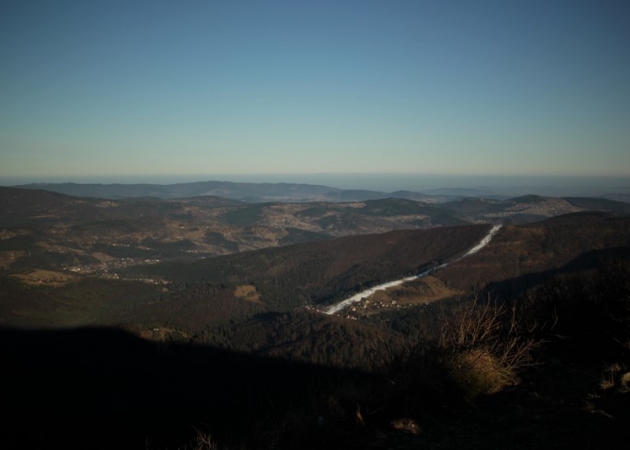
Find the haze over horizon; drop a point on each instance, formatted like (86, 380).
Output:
(461, 90)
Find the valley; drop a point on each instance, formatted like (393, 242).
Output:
(91, 236)
(368, 293)
(353, 307)
(286, 255)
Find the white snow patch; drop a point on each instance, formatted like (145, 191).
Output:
(381, 287)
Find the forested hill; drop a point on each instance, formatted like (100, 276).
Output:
(320, 272)
(523, 256)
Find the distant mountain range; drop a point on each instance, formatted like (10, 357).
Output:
(287, 192)
(254, 192)
(249, 192)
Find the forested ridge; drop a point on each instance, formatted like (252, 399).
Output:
(320, 272)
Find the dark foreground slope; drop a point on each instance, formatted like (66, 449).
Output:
(104, 388)
(493, 377)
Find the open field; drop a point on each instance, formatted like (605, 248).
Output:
(47, 277)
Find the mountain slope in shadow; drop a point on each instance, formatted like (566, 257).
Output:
(105, 388)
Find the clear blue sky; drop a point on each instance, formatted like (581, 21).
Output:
(225, 87)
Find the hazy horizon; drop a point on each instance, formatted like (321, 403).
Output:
(503, 185)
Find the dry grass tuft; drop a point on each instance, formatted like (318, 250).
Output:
(615, 377)
(407, 425)
(202, 441)
(478, 372)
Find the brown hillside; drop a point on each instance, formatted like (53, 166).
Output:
(323, 271)
(521, 256)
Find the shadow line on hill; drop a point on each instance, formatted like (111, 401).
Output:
(106, 388)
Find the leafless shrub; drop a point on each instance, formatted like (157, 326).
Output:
(493, 327)
(484, 345)
(615, 377)
(202, 441)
